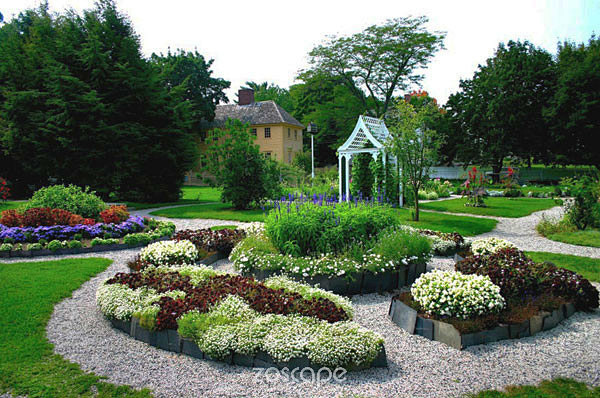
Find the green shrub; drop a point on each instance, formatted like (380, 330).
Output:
(512, 193)
(397, 244)
(137, 239)
(584, 210)
(548, 226)
(75, 244)
(55, 245)
(18, 247)
(326, 229)
(71, 198)
(6, 247)
(35, 246)
(97, 241)
(77, 237)
(43, 242)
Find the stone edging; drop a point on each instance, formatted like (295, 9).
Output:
(408, 319)
(213, 258)
(81, 250)
(170, 340)
(365, 282)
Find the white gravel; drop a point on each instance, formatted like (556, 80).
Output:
(417, 367)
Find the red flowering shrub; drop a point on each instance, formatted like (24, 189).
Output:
(4, 189)
(89, 221)
(75, 219)
(38, 216)
(11, 218)
(114, 214)
(206, 239)
(62, 217)
(203, 296)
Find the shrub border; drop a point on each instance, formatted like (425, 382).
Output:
(364, 282)
(170, 340)
(409, 320)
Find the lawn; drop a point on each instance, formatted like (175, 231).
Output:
(499, 207)
(28, 365)
(588, 237)
(587, 267)
(558, 388)
(9, 205)
(217, 211)
(191, 195)
(464, 225)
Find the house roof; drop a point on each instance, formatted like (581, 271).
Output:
(262, 112)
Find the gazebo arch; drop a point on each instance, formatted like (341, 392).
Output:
(369, 136)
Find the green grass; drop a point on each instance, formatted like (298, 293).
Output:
(588, 237)
(221, 227)
(218, 211)
(558, 388)
(464, 225)
(499, 207)
(191, 195)
(28, 365)
(587, 267)
(10, 205)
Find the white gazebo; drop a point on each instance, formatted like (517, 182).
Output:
(369, 136)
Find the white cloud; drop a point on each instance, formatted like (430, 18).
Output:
(269, 40)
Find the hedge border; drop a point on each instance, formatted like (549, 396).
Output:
(170, 340)
(365, 282)
(90, 249)
(409, 320)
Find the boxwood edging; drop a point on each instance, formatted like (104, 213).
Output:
(170, 340)
(90, 249)
(364, 282)
(408, 319)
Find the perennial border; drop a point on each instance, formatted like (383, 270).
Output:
(170, 340)
(409, 320)
(365, 282)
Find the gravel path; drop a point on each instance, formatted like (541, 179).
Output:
(417, 367)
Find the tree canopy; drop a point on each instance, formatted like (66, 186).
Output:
(382, 60)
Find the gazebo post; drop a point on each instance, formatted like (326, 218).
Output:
(340, 156)
(348, 160)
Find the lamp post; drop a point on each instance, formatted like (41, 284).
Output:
(312, 130)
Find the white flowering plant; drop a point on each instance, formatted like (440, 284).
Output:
(170, 252)
(453, 294)
(489, 245)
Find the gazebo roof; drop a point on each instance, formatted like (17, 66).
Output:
(368, 130)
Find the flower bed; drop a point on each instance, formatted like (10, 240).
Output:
(390, 259)
(443, 243)
(491, 297)
(65, 239)
(222, 241)
(213, 315)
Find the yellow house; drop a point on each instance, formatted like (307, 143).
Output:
(278, 134)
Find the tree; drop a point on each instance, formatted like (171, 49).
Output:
(79, 104)
(188, 77)
(574, 109)
(381, 59)
(499, 111)
(324, 100)
(413, 144)
(238, 167)
(271, 92)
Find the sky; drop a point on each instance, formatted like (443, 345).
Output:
(256, 40)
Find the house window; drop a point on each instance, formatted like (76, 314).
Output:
(253, 131)
(289, 156)
(289, 133)
(296, 135)
(268, 134)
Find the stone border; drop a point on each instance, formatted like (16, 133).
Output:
(81, 250)
(213, 258)
(365, 282)
(408, 319)
(170, 340)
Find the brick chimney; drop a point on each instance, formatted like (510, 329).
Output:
(245, 96)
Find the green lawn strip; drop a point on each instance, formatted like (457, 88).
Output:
(558, 388)
(191, 195)
(221, 227)
(217, 211)
(498, 207)
(589, 237)
(28, 365)
(587, 267)
(10, 205)
(464, 225)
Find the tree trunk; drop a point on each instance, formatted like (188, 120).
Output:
(496, 169)
(416, 217)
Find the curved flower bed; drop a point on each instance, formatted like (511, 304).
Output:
(82, 238)
(349, 249)
(442, 243)
(500, 295)
(231, 318)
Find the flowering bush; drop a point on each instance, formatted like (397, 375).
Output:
(4, 189)
(226, 313)
(11, 218)
(211, 241)
(474, 188)
(72, 198)
(489, 245)
(114, 214)
(453, 294)
(170, 252)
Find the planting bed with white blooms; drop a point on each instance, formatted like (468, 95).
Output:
(214, 315)
(348, 249)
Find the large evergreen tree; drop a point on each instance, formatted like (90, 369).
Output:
(79, 104)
